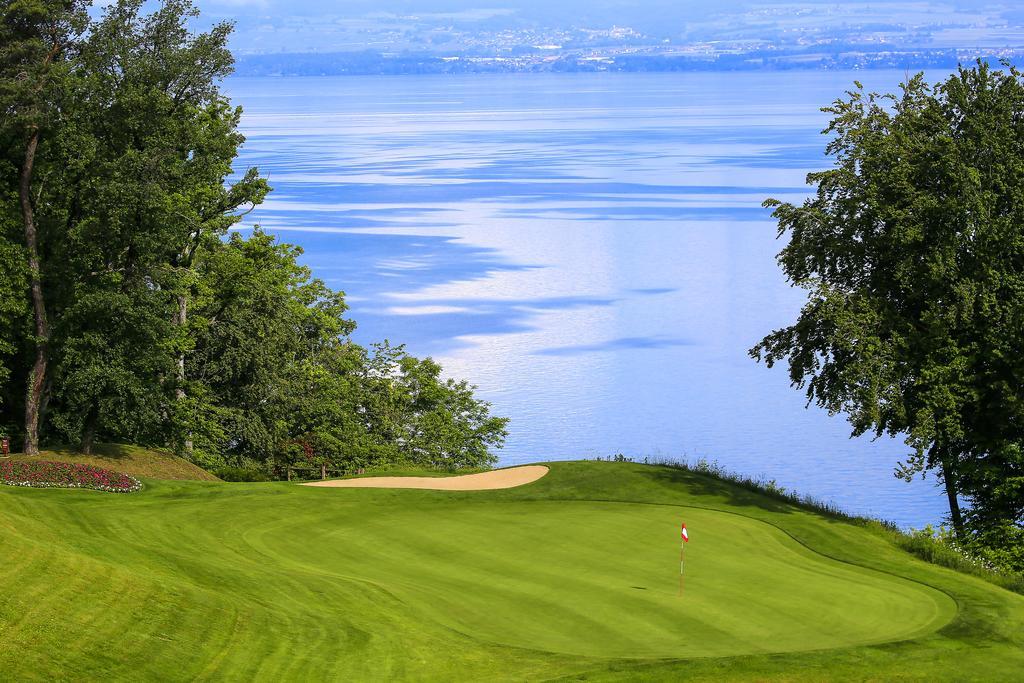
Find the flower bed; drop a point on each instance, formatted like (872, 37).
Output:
(65, 475)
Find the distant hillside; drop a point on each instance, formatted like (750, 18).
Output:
(370, 63)
(133, 460)
(402, 36)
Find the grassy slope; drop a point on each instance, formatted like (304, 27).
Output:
(574, 575)
(133, 460)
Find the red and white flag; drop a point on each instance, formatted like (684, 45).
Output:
(686, 536)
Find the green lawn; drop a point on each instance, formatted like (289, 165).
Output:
(574, 576)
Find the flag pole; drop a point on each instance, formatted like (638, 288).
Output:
(682, 560)
(684, 537)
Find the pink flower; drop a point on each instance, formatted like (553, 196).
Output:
(48, 474)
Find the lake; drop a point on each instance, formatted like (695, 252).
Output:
(589, 249)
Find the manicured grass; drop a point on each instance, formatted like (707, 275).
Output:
(573, 576)
(133, 460)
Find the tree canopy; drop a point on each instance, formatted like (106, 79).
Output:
(912, 252)
(129, 311)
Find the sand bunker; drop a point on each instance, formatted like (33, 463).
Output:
(483, 481)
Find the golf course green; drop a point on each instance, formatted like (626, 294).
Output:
(575, 575)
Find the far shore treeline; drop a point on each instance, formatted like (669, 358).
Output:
(129, 312)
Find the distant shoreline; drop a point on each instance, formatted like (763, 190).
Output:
(370, 63)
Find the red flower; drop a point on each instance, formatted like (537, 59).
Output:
(48, 474)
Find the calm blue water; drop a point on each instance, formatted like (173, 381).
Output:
(589, 249)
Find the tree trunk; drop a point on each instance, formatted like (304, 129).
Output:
(949, 479)
(44, 403)
(37, 378)
(89, 431)
(181, 319)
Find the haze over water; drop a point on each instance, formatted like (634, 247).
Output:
(589, 249)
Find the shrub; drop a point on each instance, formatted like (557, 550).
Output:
(940, 546)
(241, 474)
(67, 475)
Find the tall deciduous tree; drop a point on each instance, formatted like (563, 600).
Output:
(163, 140)
(912, 251)
(36, 37)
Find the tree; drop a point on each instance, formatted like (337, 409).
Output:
(261, 316)
(912, 252)
(354, 408)
(129, 183)
(128, 312)
(36, 38)
(165, 140)
(442, 424)
(275, 378)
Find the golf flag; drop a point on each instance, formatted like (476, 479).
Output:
(682, 555)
